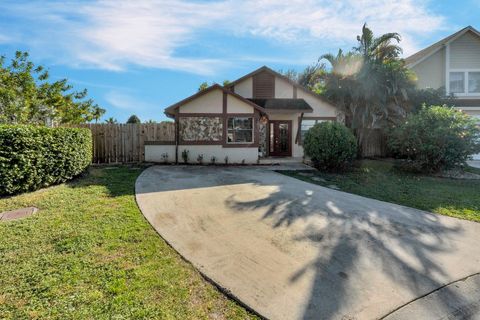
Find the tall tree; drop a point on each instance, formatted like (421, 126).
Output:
(27, 97)
(370, 84)
(134, 119)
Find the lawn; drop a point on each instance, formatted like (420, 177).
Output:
(379, 180)
(90, 254)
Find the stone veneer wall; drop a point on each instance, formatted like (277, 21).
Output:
(201, 128)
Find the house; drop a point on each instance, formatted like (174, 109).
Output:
(452, 63)
(258, 116)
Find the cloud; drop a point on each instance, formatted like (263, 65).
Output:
(113, 35)
(125, 101)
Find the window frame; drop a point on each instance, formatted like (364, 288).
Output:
(466, 80)
(316, 119)
(227, 129)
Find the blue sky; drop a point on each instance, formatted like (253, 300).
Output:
(138, 57)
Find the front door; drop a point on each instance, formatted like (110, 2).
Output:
(280, 134)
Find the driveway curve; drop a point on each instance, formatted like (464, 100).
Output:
(292, 250)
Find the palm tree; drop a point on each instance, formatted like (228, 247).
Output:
(370, 84)
(111, 120)
(97, 113)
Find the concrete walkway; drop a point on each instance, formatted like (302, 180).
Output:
(292, 250)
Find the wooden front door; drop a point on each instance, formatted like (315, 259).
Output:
(280, 138)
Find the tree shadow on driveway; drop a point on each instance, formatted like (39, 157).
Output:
(402, 247)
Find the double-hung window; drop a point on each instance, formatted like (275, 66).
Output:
(465, 83)
(240, 130)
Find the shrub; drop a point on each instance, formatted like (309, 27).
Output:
(33, 157)
(331, 146)
(435, 138)
(185, 155)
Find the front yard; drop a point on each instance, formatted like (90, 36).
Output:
(379, 180)
(90, 254)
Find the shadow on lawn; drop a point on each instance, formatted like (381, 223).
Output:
(119, 180)
(395, 239)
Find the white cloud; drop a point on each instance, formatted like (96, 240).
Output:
(126, 101)
(114, 34)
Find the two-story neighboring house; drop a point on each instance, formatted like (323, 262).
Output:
(258, 117)
(452, 63)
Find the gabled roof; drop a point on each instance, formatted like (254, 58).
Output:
(170, 111)
(279, 75)
(428, 51)
(299, 105)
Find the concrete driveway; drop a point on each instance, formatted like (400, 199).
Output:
(292, 250)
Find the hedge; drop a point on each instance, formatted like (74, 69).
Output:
(435, 138)
(32, 157)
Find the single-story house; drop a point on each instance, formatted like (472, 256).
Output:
(258, 116)
(452, 63)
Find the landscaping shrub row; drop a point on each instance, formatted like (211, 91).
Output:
(33, 157)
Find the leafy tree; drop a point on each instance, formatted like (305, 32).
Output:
(310, 78)
(151, 121)
(27, 97)
(226, 82)
(203, 86)
(134, 119)
(111, 120)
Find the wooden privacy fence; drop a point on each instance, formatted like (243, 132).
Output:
(375, 144)
(124, 143)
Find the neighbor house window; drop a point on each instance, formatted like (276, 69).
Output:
(457, 82)
(307, 124)
(465, 82)
(474, 82)
(240, 130)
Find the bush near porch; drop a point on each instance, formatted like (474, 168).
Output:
(32, 157)
(330, 145)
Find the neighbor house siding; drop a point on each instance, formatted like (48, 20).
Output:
(283, 89)
(431, 71)
(465, 52)
(244, 88)
(208, 103)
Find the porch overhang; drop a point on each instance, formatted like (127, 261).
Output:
(283, 105)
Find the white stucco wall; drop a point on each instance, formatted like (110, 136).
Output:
(235, 105)
(283, 89)
(153, 153)
(212, 102)
(245, 88)
(320, 107)
(235, 155)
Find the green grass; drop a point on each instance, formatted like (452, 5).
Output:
(379, 180)
(90, 254)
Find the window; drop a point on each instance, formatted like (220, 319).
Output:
(457, 82)
(307, 124)
(474, 82)
(240, 130)
(465, 83)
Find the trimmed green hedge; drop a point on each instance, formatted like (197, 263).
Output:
(331, 146)
(32, 157)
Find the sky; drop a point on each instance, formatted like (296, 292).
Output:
(139, 57)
